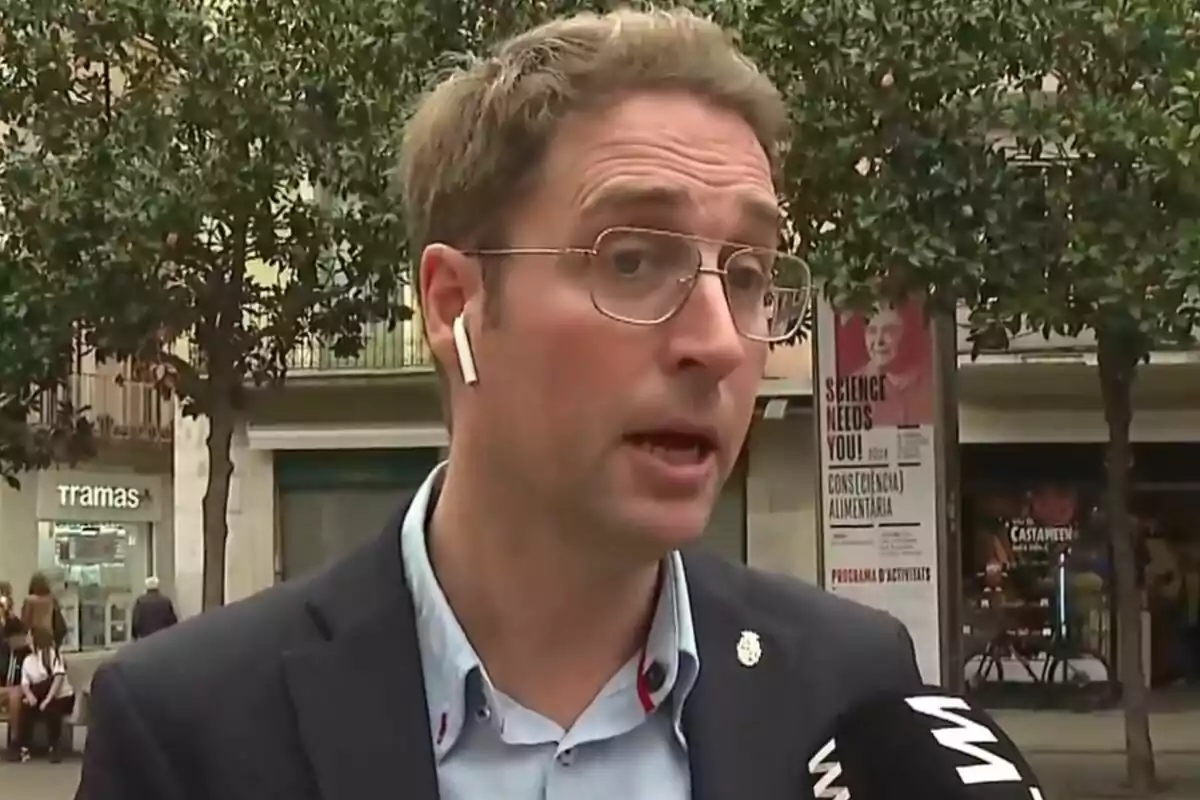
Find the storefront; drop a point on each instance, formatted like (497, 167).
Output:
(96, 536)
(1040, 602)
(331, 501)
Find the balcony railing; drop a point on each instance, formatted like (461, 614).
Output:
(401, 349)
(127, 411)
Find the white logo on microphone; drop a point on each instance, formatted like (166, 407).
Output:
(965, 737)
(829, 770)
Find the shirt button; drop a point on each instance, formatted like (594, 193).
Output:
(655, 676)
(566, 758)
(483, 713)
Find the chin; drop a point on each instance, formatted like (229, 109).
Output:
(661, 527)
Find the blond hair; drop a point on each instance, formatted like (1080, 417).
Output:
(478, 138)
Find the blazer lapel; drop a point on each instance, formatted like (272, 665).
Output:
(743, 733)
(359, 696)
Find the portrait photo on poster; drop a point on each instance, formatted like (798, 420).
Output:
(890, 351)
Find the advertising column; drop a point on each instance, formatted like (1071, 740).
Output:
(879, 490)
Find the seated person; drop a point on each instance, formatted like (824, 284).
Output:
(16, 647)
(47, 694)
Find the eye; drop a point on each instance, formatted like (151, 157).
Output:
(643, 255)
(746, 272)
(629, 258)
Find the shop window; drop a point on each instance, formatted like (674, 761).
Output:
(1038, 596)
(1166, 517)
(97, 569)
(1006, 488)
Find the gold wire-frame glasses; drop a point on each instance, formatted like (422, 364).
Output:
(642, 276)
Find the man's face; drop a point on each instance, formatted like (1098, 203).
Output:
(629, 431)
(883, 333)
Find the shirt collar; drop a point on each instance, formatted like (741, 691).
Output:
(452, 669)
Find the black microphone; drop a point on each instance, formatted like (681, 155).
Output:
(927, 745)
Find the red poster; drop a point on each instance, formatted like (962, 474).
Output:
(892, 344)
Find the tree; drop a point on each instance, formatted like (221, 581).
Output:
(39, 424)
(1116, 216)
(1037, 162)
(209, 174)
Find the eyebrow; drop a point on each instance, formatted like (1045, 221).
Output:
(756, 209)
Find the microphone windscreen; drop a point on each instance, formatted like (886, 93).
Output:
(927, 745)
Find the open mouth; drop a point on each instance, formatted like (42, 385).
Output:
(675, 447)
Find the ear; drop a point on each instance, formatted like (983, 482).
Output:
(450, 288)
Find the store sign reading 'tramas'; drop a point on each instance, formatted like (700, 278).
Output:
(72, 495)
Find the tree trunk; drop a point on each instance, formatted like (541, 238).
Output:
(1118, 368)
(216, 503)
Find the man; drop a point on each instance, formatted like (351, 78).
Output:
(153, 611)
(527, 627)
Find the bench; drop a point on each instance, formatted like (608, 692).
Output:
(78, 719)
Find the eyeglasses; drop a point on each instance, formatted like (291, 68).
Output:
(644, 277)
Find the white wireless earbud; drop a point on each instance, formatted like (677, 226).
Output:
(462, 346)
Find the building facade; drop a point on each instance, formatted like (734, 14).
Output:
(99, 529)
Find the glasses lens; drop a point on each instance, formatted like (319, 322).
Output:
(768, 293)
(642, 276)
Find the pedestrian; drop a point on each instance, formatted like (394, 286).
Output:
(47, 693)
(40, 609)
(6, 601)
(16, 646)
(7, 613)
(594, 231)
(153, 611)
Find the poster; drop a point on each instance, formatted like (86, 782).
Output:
(878, 473)
(1024, 527)
(1036, 571)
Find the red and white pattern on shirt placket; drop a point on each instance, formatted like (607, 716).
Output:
(644, 692)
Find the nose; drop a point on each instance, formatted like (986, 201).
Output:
(702, 335)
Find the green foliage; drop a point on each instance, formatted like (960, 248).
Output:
(221, 176)
(930, 154)
(216, 174)
(1115, 237)
(38, 423)
(890, 177)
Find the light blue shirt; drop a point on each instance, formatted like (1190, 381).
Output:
(489, 746)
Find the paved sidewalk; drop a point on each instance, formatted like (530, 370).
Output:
(1099, 776)
(1081, 756)
(1068, 732)
(38, 781)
